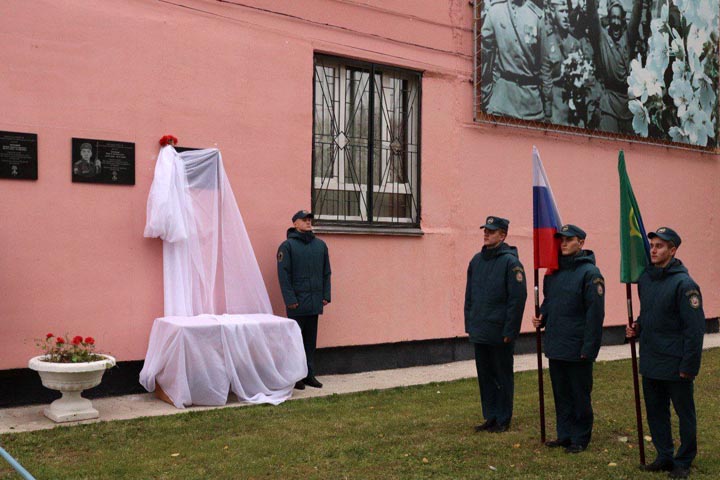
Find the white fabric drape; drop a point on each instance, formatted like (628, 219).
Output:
(208, 262)
(218, 334)
(199, 360)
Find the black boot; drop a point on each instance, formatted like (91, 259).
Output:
(312, 382)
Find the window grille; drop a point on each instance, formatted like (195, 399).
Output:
(366, 144)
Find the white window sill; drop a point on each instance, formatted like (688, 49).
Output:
(362, 230)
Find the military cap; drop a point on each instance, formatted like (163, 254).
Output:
(302, 214)
(85, 146)
(571, 231)
(615, 3)
(496, 223)
(667, 234)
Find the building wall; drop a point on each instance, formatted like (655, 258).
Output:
(239, 77)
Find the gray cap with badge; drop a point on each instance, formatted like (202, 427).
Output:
(496, 223)
(667, 234)
(302, 214)
(571, 231)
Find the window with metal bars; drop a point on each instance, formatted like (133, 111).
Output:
(366, 144)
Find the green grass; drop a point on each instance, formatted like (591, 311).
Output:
(414, 433)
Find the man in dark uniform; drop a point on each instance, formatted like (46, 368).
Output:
(671, 327)
(572, 313)
(304, 275)
(494, 303)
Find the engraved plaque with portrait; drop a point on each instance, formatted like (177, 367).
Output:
(103, 161)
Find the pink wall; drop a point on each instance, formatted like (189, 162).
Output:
(216, 74)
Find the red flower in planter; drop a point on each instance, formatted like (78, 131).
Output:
(69, 349)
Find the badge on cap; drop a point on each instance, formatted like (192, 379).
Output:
(490, 220)
(564, 229)
(662, 230)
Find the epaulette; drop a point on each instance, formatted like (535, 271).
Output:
(536, 10)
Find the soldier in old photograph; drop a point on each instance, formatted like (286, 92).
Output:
(560, 39)
(615, 47)
(510, 46)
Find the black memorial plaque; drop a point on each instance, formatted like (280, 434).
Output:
(186, 149)
(18, 156)
(103, 161)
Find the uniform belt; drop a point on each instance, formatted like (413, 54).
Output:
(522, 80)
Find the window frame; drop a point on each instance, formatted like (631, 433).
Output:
(355, 224)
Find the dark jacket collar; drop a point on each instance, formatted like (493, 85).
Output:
(583, 256)
(674, 267)
(305, 237)
(502, 249)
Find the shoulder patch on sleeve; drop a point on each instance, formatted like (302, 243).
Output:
(694, 298)
(280, 256)
(519, 276)
(600, 289)
(599, 280)
(518, 269)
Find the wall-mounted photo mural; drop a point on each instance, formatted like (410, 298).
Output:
(647, 68)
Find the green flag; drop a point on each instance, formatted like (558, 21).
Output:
(634, 247)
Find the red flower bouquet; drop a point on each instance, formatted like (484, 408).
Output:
(168, 140)
(79, 350)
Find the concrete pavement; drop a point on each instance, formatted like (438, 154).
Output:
(23, 419)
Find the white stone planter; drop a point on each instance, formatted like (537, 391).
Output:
(71, 379)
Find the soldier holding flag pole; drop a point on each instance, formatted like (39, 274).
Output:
(671, 326)
(572, 313)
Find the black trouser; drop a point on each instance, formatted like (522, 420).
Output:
(308, 327)
(658, 394)
(572, 384)
(494, 365)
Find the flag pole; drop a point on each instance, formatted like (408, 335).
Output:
(538, 348)
(636, 385)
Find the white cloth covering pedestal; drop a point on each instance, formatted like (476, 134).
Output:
(198, 360)
(218, 333)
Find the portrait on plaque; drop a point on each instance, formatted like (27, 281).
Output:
(103, 161)
(645, 68)
(18, 156)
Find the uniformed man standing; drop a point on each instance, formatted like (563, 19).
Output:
(304, 275)
(671, 327)
(510, 83)
(494, 303)
(572, 314)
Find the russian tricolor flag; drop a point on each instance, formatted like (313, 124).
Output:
(546, 218)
